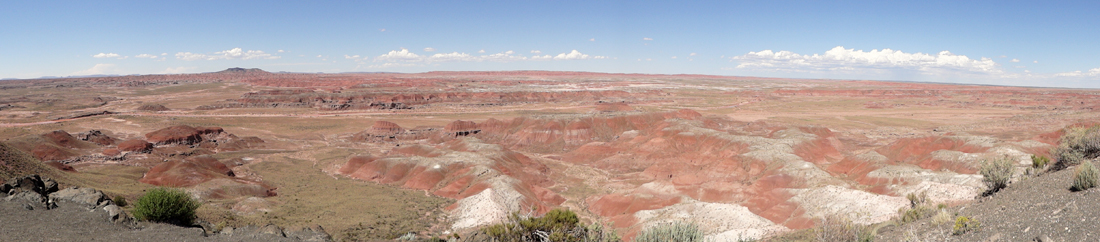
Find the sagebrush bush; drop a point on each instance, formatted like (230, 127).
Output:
(120, 201)
(836, 228)
(942, 217)
(1085, 176)
(964, 224)
(1076, 145)
(671, 232)
(916, 213)
(166, 205)
(1038, 162)
(996, 173)
(556, 225)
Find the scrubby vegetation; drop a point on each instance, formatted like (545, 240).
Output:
(558, 225)
(1077, 145)
(1039, 162)
(166, 205)
(995, 174)
(671, 232)
(964, 224)
(918, 208)
(842, 229)
(120, 201)
(1085, 176)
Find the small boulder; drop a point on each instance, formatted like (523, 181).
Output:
(28, 196)
(271, 229)
(85, 196)
(32, 183)
(113, 211)
(49, 186)
(314, 233)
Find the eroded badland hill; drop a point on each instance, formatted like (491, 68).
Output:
(380, 155)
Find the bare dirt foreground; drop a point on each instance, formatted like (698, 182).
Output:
(384, 155)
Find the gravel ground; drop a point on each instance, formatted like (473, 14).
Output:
(72, 222)
(1038, 207)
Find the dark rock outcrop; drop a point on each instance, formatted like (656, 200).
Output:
(95, 136)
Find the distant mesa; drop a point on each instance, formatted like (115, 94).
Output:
(238, 70)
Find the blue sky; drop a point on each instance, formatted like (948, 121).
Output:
(1028, 43)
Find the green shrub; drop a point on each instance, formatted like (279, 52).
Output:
(1078, 144)
(1085, 176)
(671, 232)
(1038, 162)
(964, 224)
(120, 201)
(996, 173)
(166, 205)
(556, 225)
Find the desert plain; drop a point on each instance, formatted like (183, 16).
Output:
(382, 155)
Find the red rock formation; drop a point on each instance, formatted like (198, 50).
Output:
(135, 145)
(186, 173)
(386, 128)
(60, 166)
(181, 134)
(918, 151)
(62, 138)
(48, 152)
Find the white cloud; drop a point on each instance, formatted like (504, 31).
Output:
(177, 70)
(592, 39)
(232, 54)
(163, 53)
(146, 56)
(536, 52)
(673, 57)
(1003, 56)
(1015, 60)
(280, 51)
(391, 64)
(481, 51)
(188, 56)
(237, 53)
(576, 55)
(403, 55)
(647, 38)
(429, 49)
(692, 54)
(98, 69)
(853, 61)
(351, 56)
(105, 55)
(1036, 62)
(381, 30)
(1091, 73)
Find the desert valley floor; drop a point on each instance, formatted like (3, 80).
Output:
(380, 155)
